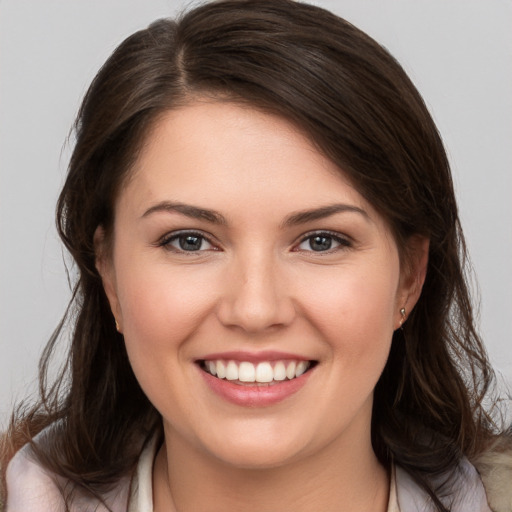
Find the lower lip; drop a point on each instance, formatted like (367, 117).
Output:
(255, 396)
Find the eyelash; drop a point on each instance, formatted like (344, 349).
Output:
(344, 242)
(166, 241)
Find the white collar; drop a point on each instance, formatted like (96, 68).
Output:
(141, 489)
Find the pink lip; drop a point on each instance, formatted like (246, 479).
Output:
(253, 357)
(254, 395)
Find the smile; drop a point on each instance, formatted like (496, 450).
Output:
(264, 372)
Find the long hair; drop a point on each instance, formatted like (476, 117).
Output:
(359, 108)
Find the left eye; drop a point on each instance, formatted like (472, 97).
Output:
(188, 242)
(322, 242)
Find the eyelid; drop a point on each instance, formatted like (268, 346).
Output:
(169, 237)
(344, 240)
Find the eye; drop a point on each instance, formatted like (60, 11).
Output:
(322, 242)
(186, 241)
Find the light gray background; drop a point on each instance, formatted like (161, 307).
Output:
(459, 54)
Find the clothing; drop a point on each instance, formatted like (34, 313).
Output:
(30, 488)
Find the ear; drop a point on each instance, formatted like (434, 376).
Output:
(105, 267)
(413, 276)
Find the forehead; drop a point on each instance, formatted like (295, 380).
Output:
(223, 154)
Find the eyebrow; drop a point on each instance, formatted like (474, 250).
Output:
(301, 217)
(305, 216)
(188, 210)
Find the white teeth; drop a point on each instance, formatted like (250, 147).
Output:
(263, 372)
(212, 367)
(246, 372)
(279, 371)
(290, 370)
(221, 370)
(302, 366)
(232, 371)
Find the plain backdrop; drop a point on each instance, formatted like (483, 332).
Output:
(458, 53)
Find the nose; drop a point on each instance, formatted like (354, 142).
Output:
(257, 297)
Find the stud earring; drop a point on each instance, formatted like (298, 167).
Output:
(403, 313)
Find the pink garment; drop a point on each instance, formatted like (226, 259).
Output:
(31, 488)
(470, 493)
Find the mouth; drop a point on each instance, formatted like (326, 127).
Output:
(263, 373)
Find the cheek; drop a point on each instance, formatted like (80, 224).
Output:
(162, 309)
(355, 310)
(162, 305)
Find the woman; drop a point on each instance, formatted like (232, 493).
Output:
(271, 310)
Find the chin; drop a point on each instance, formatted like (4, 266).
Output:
(257, 457)
(260, 449)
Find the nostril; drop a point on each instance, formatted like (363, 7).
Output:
(256, 300)
(253, 318)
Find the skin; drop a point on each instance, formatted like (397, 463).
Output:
(255, 285)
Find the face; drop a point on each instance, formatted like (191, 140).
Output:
(257, 291)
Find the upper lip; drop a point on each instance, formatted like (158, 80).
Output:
(253, 357)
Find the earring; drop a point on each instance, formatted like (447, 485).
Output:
(403, 313)
(117, 325)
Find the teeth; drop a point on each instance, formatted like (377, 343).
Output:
(221, 370)
(290, 370)
(246, 372)
(263, 372)
(212, 367)
(232, 371)
(302, 366)
(279, 371)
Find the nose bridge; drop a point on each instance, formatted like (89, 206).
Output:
(258, 297)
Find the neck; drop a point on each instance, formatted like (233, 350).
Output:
(344, 476)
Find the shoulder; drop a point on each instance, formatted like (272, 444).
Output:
(484, 484)
(32, 488)
(495, 468)
(467, 493)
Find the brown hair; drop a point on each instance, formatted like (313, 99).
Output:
(358, 106)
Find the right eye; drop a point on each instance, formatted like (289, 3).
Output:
(186, 241)
(323, 242)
